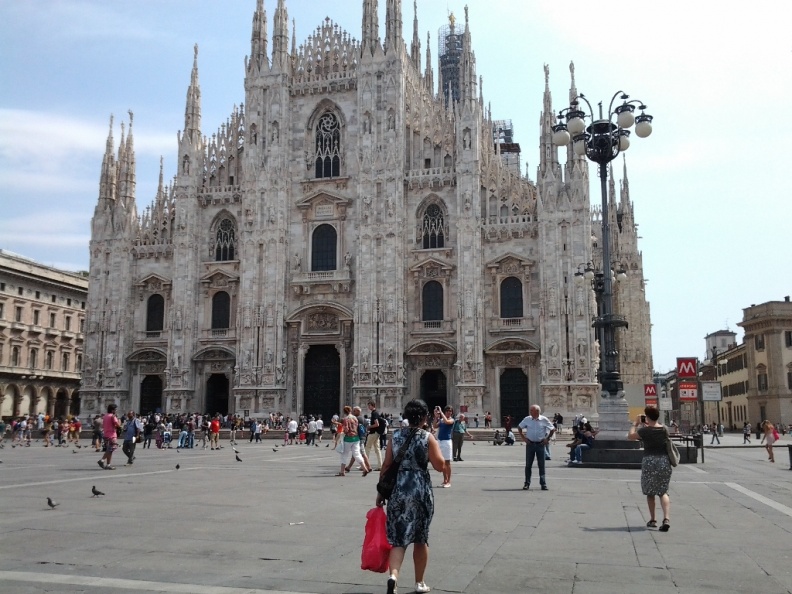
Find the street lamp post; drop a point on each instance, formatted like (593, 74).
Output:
(715, 364)
(601, 142)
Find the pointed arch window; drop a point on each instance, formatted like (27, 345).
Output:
(433, 228)
(155, 313)
(328, 146)
(432, 301)
(221, 311)
(225, 241)
(511, 298)
(323, 248)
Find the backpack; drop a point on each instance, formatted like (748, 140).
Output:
(361, 431)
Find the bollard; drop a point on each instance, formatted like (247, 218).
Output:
(790, 456)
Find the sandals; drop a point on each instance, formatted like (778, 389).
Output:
(340, 474)
(666, 525)
(365, 472)
(651, 524)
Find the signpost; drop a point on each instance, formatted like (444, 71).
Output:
(650, 394)
(687, 369)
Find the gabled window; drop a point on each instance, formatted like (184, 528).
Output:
(432, 229)
(432, 301)
(225, 241)
(511, 298)
(328, 146)
(221, 311)
(155, 313)
(323, 248)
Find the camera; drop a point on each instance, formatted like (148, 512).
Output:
(643, 418)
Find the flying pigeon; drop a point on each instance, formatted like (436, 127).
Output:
(238, 459)
(51, 503)
(96, 492)
(177, 467)
(236, 451)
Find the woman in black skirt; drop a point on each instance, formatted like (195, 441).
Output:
(655, 467)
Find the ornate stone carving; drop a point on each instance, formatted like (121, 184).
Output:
(322, 322)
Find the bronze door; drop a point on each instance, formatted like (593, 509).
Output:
(150, 394)
(434, 389)
(216, 394)
(322, 385)
(514, 395)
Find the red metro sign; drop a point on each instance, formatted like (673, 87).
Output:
(687, 367)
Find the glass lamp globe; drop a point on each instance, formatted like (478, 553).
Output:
(561, 137)
(589, 274)
(624, 142)
(576, 125)
(625, 117)
(580, 147)
(643, 126)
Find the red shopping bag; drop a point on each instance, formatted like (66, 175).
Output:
(376, 547)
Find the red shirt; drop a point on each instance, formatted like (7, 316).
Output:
(214, 426)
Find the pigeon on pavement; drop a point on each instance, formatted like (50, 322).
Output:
(51, 503)
(177, 467)
(238, 459)
(96, 492)
(236, 451)
(274, 449)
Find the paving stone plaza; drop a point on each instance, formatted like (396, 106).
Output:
(280, 522)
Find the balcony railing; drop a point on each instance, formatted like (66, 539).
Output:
(433, 327)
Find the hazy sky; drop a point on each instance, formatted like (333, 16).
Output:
(710, 185)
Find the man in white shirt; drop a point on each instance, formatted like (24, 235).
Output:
(310, 432)
(538, 431)
(319, 430)
(291, 428)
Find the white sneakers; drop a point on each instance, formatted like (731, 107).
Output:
(421, 587)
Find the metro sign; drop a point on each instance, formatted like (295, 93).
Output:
(650, 394)
(687, 367)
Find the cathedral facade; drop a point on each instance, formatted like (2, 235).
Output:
(352, 232)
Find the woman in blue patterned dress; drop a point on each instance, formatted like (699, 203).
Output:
(411, 506)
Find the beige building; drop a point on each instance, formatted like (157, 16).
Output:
(768, 360)
(42, 311)
(357, 229)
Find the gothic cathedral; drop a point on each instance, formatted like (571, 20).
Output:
(354, 231)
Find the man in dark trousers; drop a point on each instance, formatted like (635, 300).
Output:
(375, 429)
(538, 431)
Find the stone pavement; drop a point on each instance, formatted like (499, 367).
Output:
(279, 521)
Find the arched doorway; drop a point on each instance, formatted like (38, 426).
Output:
(434, 388)
(514, 395)
(61, 404)
(74, 406)
(151, 394)
(9, 401)
(322, 382)
(216, 394)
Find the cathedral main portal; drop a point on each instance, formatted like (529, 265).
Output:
(434, 388)
(151, 394)
(322, 383)
(514, 394)
(217, 394)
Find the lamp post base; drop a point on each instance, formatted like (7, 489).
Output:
(614, 417)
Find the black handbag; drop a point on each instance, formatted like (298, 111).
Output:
(387, 481)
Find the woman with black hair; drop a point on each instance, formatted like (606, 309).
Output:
(655, 466)
(411, 506)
